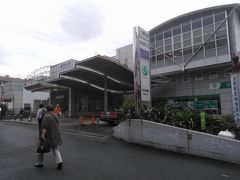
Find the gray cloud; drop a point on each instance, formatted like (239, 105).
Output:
(82, 22)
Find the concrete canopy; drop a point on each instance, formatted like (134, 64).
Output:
(91, 74)
(42, 87)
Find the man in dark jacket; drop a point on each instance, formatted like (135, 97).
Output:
(50, 132)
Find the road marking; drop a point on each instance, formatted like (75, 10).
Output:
(224, 175)
(86, 134)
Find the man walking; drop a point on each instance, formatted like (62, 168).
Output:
(50, 132)
(39, 117)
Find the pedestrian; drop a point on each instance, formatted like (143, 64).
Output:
(39, 116)
(21, 113)
(50, 132)
(57, 110)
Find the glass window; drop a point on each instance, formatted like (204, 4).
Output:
(186, 79)
(196, 48)
(210, 53)
(199, 55)
(168, 48)
(207, 21)
(160, 57)
(153, 62)
(222, 51)
(152, 39)
(206, 36)
(186, 28)
(212, 75)
(222, 42)
(187, 35)
(159, 43)
(221, 34)
(197, 40)
(187, 43)
(199, 77)
(223, 26)
(152, 44)
(196, 25)
(160, 49)
(159, 37)
(178, 59)
(219, 17)
(153, 65)
(187, 51)
(197, 32)
(177, 53)
(168, 41)
(168, 61)
(153, 58)
(177, 31)
(227, 74)
(177, 45)
(210, 45)
(167, 34)
(177, 38)
(208, 29)
(160, 61)
(152, 52)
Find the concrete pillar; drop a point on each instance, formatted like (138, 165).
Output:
(72, 102)
(105, 94)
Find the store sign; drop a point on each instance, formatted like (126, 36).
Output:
(235, 97)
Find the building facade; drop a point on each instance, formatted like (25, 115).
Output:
(193, 52)
(190, 63)
(124, 55)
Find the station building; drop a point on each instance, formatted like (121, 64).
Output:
(190, 64)
(193, 52)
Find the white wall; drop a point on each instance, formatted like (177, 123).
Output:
(29, 97)
(180, 140)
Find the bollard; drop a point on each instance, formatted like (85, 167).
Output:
(203, 121)
(81, 121)
(97, 120)
(93, 119)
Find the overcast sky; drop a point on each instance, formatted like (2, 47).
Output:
(37, 33)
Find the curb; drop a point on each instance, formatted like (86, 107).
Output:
(21, 122)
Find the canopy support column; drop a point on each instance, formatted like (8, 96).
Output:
(105, 94)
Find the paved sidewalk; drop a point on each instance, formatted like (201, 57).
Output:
(73, 125)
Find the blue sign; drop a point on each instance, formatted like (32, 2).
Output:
(144, 54)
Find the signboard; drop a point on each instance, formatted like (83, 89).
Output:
(208, 104)
(235, 97)
(222, 85)
(225, 85)
(141, 57)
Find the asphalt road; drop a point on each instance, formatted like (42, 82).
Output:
(94, 157)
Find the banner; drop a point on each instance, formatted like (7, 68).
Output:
(235, 97)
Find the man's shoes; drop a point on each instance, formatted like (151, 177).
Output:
(38, 165)
(59, 165)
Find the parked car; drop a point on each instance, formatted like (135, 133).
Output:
(112, 116)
